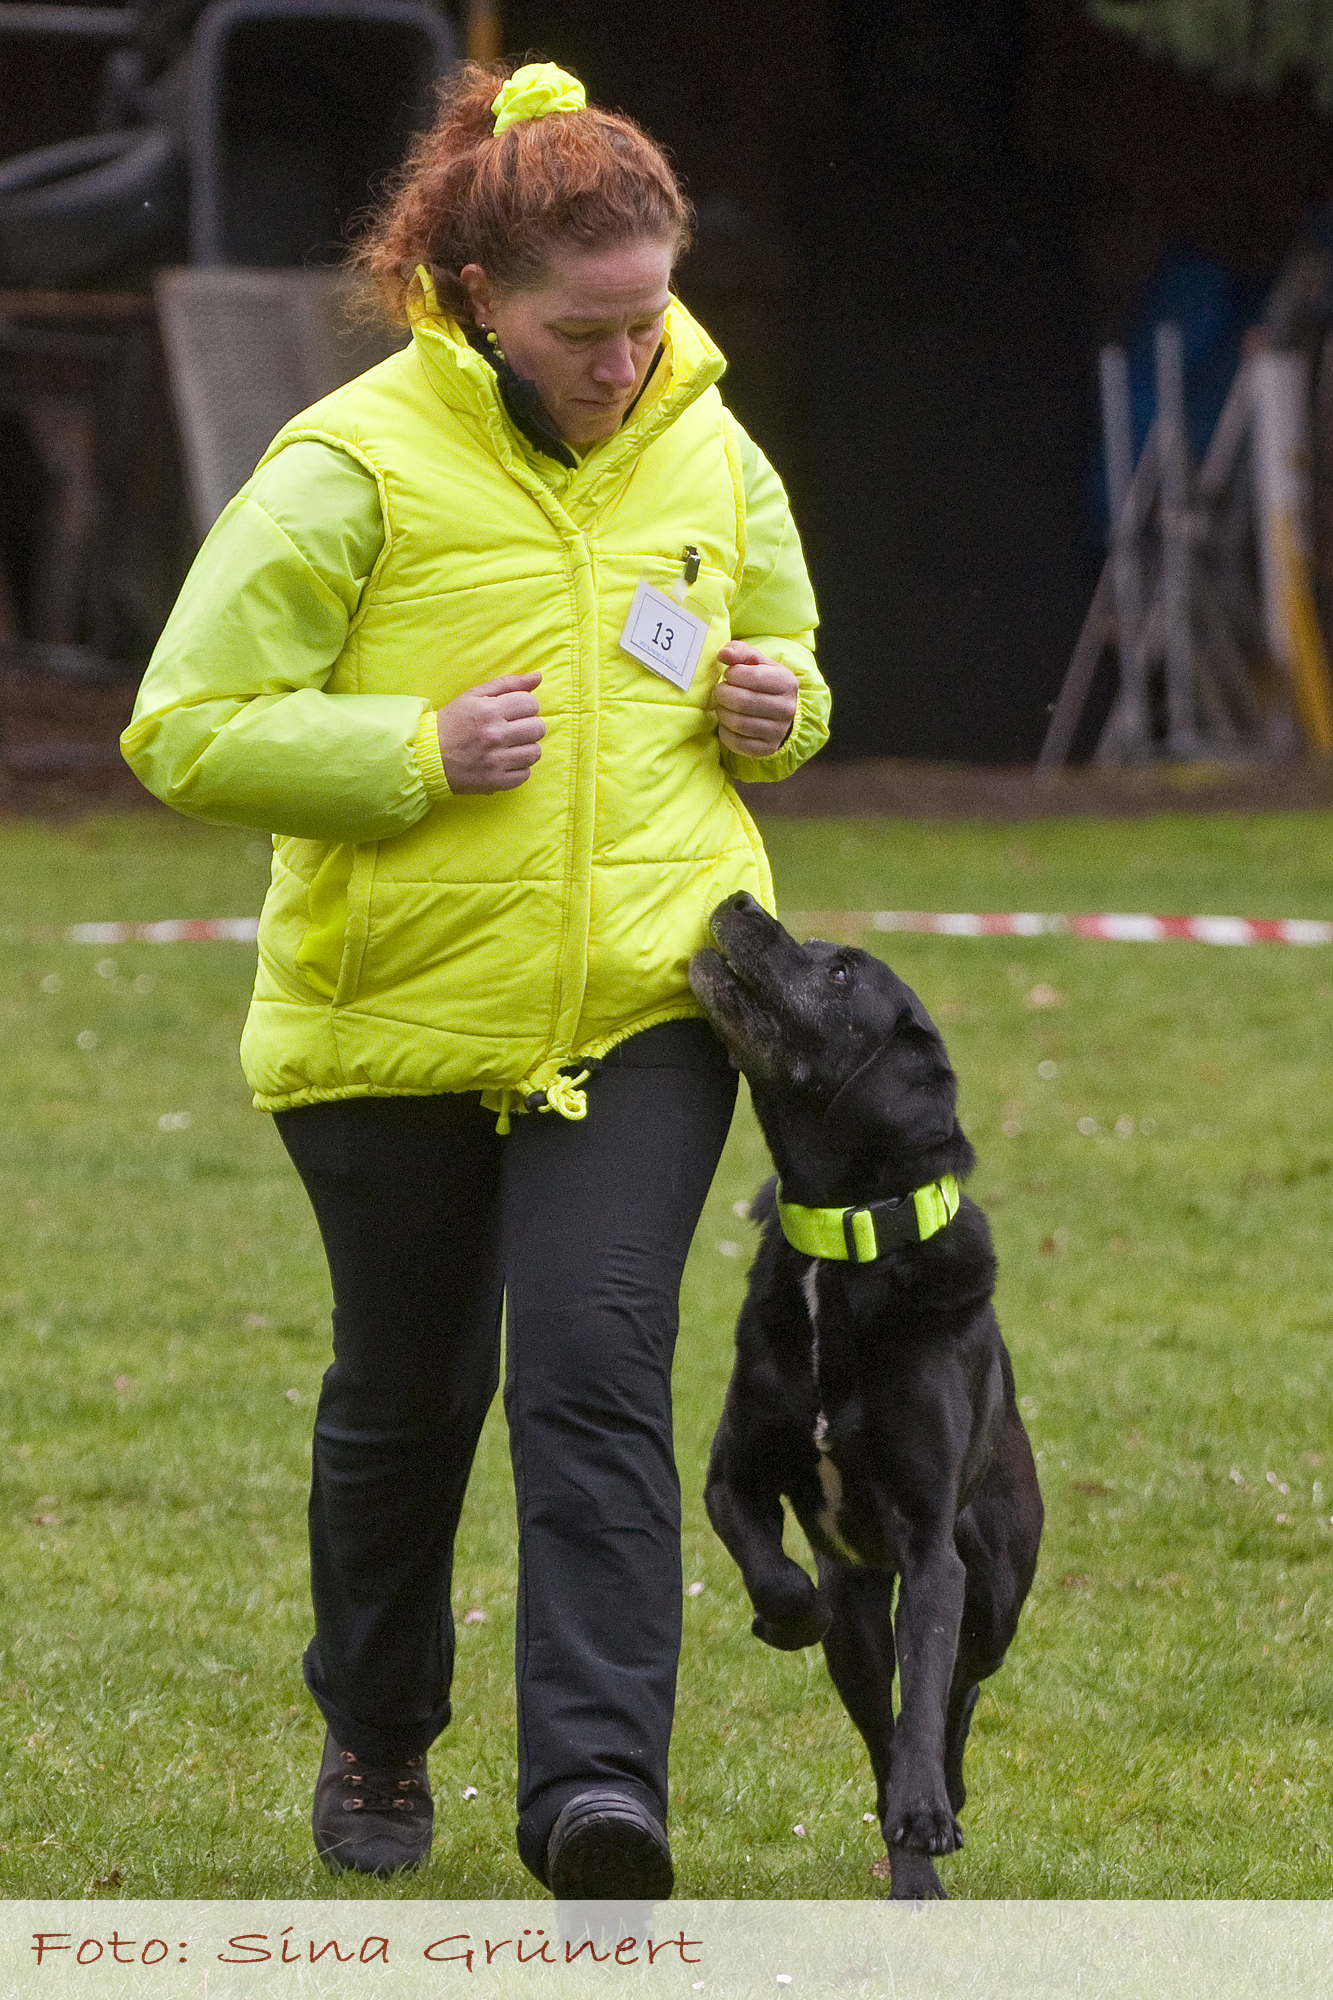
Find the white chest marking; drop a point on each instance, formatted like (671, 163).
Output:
(810, 1286)
(830, 1479)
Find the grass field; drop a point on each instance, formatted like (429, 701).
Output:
(1157, 1159)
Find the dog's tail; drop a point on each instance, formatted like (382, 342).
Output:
(765, 1203)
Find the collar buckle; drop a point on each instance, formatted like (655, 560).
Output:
(861, 1235)
(864, 1235)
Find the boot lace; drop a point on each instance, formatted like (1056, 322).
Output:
(383, 1788)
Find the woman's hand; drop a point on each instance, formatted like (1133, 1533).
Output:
(490, 737)
(755, 701)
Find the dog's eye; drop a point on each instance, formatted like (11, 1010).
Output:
(838, 974)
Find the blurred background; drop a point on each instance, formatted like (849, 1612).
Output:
(919, 223)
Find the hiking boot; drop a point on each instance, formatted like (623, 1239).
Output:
(375, 1818)
(607, 1847)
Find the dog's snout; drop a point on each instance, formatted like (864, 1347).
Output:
(742, 904)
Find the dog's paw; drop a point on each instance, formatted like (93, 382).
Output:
(925, 1829)
(805, 1627)
(913, 1878)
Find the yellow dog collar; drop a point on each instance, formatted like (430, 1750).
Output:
(862, 1235)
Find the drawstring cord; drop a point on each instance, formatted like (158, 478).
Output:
(562, 1094)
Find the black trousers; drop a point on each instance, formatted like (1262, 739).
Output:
(430, 1219)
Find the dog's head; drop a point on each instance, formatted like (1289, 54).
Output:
(848, 1072)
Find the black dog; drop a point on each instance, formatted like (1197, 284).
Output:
(871, 1384)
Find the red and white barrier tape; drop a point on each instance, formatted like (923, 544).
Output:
(193, 930)
(1114, 929)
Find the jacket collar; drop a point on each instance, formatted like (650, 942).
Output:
(466, 381)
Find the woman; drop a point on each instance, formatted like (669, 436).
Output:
(419, 649)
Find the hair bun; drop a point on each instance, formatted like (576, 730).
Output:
(535, 91)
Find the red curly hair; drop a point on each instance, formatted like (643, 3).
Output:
(584, 180)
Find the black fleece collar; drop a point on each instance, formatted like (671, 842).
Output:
(525, 408)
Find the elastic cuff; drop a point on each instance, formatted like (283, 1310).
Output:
(426, 747)
(779, 763)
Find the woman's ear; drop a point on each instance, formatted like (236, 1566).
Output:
(478, 288)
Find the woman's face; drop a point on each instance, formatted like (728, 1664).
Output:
(586, 335)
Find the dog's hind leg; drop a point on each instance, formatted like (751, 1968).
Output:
(962, 1701)
(859, 1649)
(997, 1536)
(983, 1639)
(980, 1651)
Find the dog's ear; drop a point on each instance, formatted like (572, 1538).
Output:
(906, 1089)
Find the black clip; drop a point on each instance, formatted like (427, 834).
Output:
(692, 562)
(849, 1234)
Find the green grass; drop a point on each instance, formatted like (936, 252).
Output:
(1164, 1726)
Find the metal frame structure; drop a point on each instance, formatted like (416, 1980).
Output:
(1203, 597)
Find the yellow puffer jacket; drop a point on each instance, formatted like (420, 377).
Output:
(414, 942)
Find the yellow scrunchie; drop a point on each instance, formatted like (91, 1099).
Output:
(535, 91)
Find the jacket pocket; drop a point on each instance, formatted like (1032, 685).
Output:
(319, 956)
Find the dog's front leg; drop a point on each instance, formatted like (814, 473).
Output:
(748, 1519)
(917, 1814)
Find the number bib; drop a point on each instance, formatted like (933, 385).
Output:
(663, 636)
